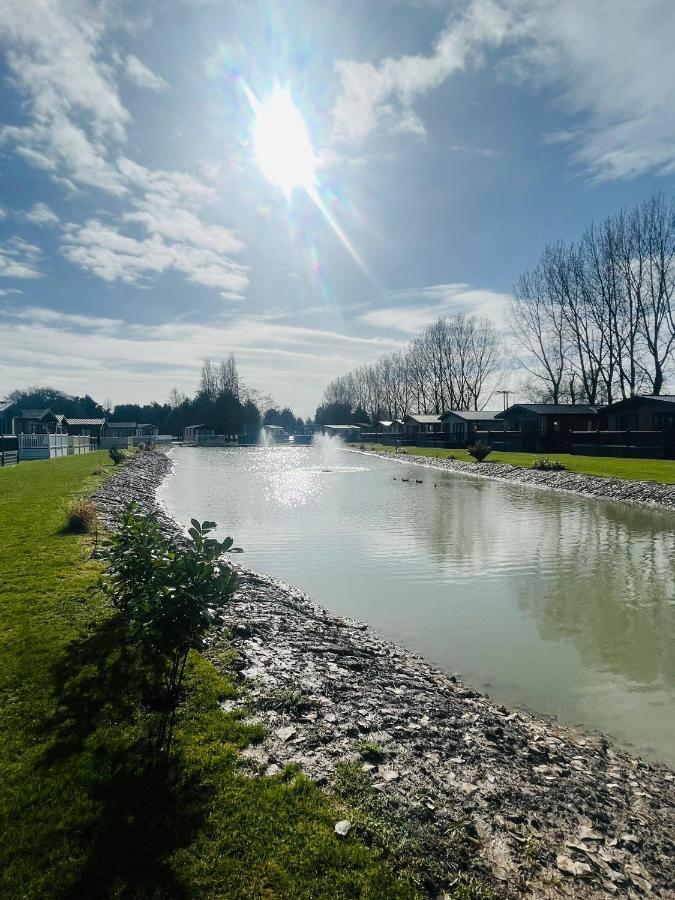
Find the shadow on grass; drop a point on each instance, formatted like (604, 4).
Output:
(101, 730)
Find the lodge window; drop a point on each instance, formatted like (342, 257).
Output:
(627, 423)
(663, 421)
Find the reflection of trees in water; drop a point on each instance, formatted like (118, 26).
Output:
(598, 574)
(613, 591)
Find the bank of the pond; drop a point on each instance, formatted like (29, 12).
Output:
(650, 493)
(520, 804)
(84, 811)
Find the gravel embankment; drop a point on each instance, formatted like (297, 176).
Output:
(552, 812)
(645, 492)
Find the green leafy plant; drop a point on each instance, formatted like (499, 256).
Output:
(544, 464)
(371, 752)
(479, 451)
(117, 455)
(81, 516)
(170, 594)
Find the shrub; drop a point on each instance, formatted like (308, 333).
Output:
(544, 464)
(117, 455)
(99, 470)
(371, 752)
(171, 595)
(479, 451)
(81, 516)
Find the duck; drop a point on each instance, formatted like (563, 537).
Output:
(405, 479)
(418, 481)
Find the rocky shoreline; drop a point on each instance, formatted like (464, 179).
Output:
(605, 488)
(543, 811)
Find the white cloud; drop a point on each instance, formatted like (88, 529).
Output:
(19, 259)
(141, 75)
(412, 310)
(383, 95)
(140, 362)
(74, 110)
(609, 63)
(107, 253)
(612, 62)
(41, 214)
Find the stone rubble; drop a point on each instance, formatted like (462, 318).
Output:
(554, 812)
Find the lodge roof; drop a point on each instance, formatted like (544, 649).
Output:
(472, 415)
(551, 409)
(36, 413)
(70, 421)
(423, 419)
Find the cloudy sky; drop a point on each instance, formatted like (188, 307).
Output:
(140, 231)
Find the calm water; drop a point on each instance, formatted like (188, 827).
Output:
(562, 605)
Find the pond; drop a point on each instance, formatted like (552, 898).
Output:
(561, 605)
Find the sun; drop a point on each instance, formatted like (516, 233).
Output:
(281, 143)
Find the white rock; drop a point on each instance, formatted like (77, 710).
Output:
(343, 827)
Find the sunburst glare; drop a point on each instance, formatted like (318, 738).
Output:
(285, 155)
(282, 146)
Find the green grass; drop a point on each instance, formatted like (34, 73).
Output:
(659, 470)
(82, 812)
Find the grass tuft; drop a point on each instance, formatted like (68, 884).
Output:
(81, 516)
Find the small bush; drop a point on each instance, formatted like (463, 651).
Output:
(117, 455)
(479, 451)
(371, 752)
(99, 470)
(81, 516)
(544, 464)
(362, 446)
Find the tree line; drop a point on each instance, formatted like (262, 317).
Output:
(592, 322)
(595, 317)
(450, 365)
(221, 401)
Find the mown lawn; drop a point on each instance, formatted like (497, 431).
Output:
(82, 811)
(660, 470)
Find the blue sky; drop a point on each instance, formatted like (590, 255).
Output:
(138, 234)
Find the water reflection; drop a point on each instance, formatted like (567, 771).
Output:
(561, 604)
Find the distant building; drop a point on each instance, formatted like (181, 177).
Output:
(390, 426)
(130, 430)
(648, 412)
(276, 433)
(192, 433)
(415, 424)
(460, 426)
(6, 407)
(549, 419)
(38, 421)
(89, 427)
(349, 433)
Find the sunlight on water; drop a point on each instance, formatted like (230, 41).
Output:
(560, 604)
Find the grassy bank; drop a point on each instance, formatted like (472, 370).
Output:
(82, 812)
(658, 470)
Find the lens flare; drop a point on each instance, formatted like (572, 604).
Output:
(281, 144)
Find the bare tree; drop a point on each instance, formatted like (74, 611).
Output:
(538, 324)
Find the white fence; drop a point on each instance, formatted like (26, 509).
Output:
(50, 446)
